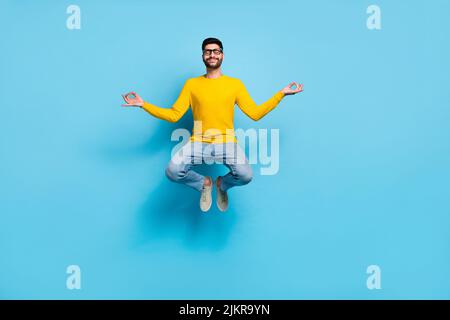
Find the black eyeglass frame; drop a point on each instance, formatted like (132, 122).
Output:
(208, 52)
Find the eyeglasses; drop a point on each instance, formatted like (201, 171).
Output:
(207, 52)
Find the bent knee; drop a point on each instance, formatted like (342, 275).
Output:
(245, 175)
(175, 172)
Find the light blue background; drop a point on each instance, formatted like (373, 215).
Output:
(364, 163)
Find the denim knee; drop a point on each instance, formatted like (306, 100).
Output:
(175, 172)
(244, 174)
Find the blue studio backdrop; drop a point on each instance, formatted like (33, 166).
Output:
(363, 163)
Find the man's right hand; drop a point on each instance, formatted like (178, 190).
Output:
(132, 99)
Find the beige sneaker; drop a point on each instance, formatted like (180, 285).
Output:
(206, 197)
(222, 196)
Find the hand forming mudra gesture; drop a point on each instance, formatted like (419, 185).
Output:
(132, 99)
(288, 91)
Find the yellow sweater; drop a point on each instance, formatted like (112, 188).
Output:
(212, 102)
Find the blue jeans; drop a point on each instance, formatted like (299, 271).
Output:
(191, 154)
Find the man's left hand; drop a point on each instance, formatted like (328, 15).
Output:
(288, 91)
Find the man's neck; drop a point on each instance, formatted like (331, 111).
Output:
(213, 73)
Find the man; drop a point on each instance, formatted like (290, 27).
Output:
(212, 98)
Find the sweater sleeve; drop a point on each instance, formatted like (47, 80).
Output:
(177, 110)
(249, 107)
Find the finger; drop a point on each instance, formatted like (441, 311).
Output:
(299, 89)
(130, 94)
(131, 97)
(134, 94)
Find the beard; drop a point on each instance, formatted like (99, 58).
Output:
(212, 63)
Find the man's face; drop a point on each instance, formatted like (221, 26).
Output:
(212, 58)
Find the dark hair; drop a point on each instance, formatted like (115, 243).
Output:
(211, 40)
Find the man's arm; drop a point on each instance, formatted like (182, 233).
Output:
(177, 110)
(250, 108)
(173, 114)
